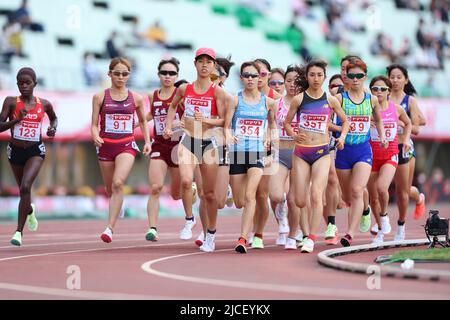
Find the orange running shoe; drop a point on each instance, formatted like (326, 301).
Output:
(241, 246)
(420, 208)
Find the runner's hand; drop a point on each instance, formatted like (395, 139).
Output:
(51, 131)
(229, 139)
(168, 133)
(198, 116)
(22, 114)
(98, 141)
(384, 144)
(147, 149)
(340, 143)
(300, 138)
(406, 148)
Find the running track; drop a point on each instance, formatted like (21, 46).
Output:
(132, 268)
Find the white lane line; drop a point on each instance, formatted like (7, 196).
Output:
(81, 294)
(306, 290)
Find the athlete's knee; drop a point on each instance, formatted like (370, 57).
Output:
(262, 196)
(117, 185)
(186, 183)
(156, 189)
(209, 195)
(250, 199)
(25, 189)
(357, 192)
(291, 203)
(301, 202)
(382, 188)
(402, 195)
(316, 198)
(276, 197)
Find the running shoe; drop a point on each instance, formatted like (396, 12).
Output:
(152, 235)
(200, 239)
(281, 214)
(291, 244)
(301, 243)
(194, 193)
(400, 234)
(229, 202)
(379, 238)
(365, 222)
(331, 234)
(385, 224)
(308, 246)
(17, 239)
(257, 243)
(281, 240)
(241, 246)
(31, 219)
(346, 241)
(374, 229)
(107, 235)
(186, 233)
(209, 244)
(420, 208)
(299, 235)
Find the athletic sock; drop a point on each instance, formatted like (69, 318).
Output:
(331, 219)
(400, 223)
(153, 228)
(191, 218)
(366, 212)
(259, 235)
(211, 232)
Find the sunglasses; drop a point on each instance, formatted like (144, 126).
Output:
(356, 75)
(118, 73)
(263, 74)
(247, 75)
(214, 76)
(168, 73)
(276, 82)
(378, 89)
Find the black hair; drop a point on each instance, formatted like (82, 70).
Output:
(293, 68)
(249, 64)
(301, 82)
(180, 82)
(350, 57)
(226, 64)
(409, 88)
(277, 70)
(27, 71)
(334, 77)
(381, 78)
(264, 62)
(172, 60)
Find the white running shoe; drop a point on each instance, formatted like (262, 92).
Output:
(200, 239)
(291, 244)
(308, 246)
(379, 238)
(229, 202)
(209, 243)
(281, 240)
(186, 233)
(107, 235)
(374, 229)
(299, 235)
(400, 235)
(385, 224)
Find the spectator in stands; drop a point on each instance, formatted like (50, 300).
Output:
(112, 49)
(11, 41)
(440, 9)
(382, 46)
(22, 16)
(92, 75)
(137, 38)
(430, 89)
(301, 8)
(156, 34)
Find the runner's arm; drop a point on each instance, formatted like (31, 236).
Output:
(96, 104)
(6, 109)
(417, 118)
(290, 116)
(378, 121)
(172, 110)
(231, 108)
(343, 129)
(143, 123)
(51, 130)
(221, 100)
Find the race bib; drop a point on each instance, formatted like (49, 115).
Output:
(197, 105)
(160, 124)
(250, 128)
(314, 122)
(283, 134)
(119, 123)
(390, 130)
(359, 125)
(28, 131)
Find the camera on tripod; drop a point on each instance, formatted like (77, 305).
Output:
(435, 227)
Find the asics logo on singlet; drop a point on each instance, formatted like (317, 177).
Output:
(31, 116)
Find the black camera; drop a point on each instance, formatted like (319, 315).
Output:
(437, 226)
